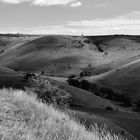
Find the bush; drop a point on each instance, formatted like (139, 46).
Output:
(72, 76)
(49, 93)
(98, 46)
(82, 74)
(84, 84)
(27, 76)
(73, 82)
(109, 93)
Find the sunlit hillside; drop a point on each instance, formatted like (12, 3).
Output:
(23, 117)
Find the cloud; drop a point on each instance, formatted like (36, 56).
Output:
(119, 25)
(74, 3)
(126, 24)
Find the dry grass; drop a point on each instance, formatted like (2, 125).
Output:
(22, 117)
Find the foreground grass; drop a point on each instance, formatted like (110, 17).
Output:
(22, 117)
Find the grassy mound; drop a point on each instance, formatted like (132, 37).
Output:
(23, 117)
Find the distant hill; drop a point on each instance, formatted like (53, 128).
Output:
(66, 55)
(11, 40)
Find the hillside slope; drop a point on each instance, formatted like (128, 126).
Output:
(123, 80)
(8, 41)
(66, 55)
(10, 78)
(23, 117)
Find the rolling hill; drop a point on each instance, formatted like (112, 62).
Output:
(111, 61)
(13, 40)
(123, 80)
(65, 55)
(11, 79)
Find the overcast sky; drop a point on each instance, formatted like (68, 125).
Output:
(91, 17)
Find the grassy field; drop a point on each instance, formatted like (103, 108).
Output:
(23, 117)
(128, 121)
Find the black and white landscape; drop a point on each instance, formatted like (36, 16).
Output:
(67, 74)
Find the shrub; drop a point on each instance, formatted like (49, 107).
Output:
(73, 82)
(98, 46)
(84, 84)
(42, 72)
(82, 74)
(86, 41)
(72, 76)
(93, 86)
(49, 93)
(106, 53)
(27, 75)
(109, 93)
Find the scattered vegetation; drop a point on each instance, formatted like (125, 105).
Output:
(24, 117)
(72, 76)
(48, 93)
(86, 40)
(99, 47)
(27, 75)
(103, 92)
(77, 43)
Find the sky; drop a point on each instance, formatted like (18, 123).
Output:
(72, 17)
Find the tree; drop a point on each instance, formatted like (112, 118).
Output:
(73, 82)
(84, 84)
(82, 74)
(72, 76)
(109, 93)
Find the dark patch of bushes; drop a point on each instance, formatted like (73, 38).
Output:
(42, 72)
(27, 76)
(104, 92)
(73, 82)
(100, 49)
(107, 92)
(84, 84)
(48, 93)
(87, 41)
(72, 76)
(2, 51)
